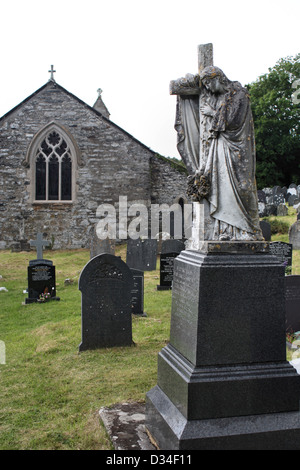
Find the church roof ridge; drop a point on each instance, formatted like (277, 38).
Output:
(54, 84)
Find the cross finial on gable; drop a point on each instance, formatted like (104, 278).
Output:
(52, 71)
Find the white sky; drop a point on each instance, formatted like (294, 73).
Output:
(132, 49)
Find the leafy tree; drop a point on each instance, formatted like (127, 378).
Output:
(275, 105)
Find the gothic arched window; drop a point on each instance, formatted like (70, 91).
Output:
(53, 169)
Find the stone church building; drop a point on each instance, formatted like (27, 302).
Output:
(61, 158)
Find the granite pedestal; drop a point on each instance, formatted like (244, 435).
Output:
(223, 380)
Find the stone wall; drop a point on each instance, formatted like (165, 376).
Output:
(111, 163)
(168, 181)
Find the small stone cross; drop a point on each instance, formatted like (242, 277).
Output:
(52, 71)
(39, 243)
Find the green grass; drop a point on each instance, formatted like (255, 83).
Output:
(50, 393)
(283, 236)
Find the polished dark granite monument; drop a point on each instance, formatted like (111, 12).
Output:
(223, 380)
(41, 275)
(105, 283)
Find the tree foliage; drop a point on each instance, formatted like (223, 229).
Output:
(276, 111)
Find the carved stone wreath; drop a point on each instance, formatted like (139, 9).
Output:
(198, 187)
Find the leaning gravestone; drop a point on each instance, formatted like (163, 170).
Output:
(137, 299)
(105, 283)
(283, 251)
(292, 303)
(294, 235)
(169, 250)
(41, 275)
(142, 254)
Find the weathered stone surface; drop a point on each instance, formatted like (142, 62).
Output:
(294, 235)
(111, 163)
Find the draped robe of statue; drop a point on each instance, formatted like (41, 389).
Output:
(228, 156)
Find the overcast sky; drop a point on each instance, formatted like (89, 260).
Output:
(133, 48)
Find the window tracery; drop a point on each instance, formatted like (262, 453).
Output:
(53, 169)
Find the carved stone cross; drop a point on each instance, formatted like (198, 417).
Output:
(188, 90)
(39, 243)
(180, 88)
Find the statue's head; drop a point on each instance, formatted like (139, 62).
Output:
(214, 79)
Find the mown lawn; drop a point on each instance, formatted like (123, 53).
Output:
(50, 393)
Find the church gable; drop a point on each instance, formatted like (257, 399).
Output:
(59, 160)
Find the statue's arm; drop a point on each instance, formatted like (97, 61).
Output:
(188, 85)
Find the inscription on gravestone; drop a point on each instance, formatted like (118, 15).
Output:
(137, 299)
(170, 249)
(292, 303)
(106, 283)
(283, 251)
(41, 275)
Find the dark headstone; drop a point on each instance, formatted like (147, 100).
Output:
(283, 251)
(41, 274)
(276, 190)
(21, 245)
(105, 283)
(170, 249)
(142, 254)
(266, 229)
(261, 195)
(293, 199)
(137, 293)
(271, 209)
(41, 281)
(292, 303)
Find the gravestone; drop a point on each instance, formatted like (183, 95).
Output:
(278, 198)
(282, 210)
(293, 199)
(261, 196)
(170, 249)
(99, 246)
(292, 302)
(142, 254)
(283, 251)
(105, 283)
(41, 275)
(223, 381)
(21, 245)
(137, 299)
(266, 229)
(294, 235)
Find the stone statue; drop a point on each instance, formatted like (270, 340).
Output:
(216, 141)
